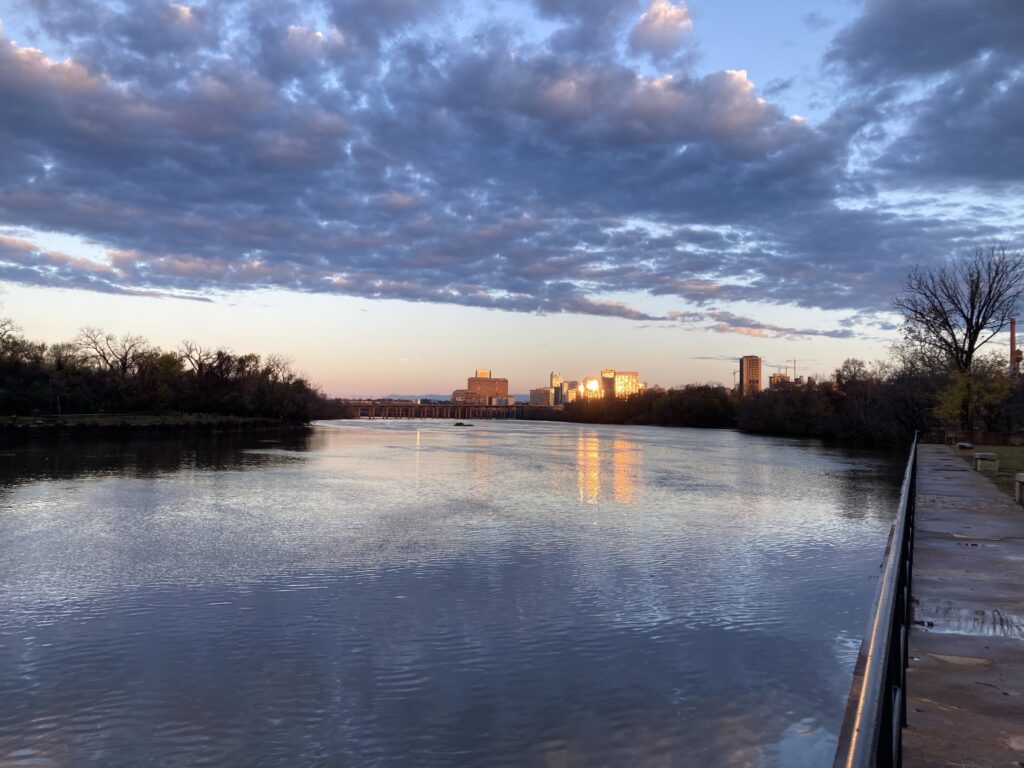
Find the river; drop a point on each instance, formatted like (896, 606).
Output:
(410, 593)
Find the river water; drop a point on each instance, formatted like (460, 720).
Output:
(417, 594)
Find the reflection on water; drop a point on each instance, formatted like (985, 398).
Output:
(607, 463)
(23, 460)
(408, 593)
(588, 467)
(625, 464)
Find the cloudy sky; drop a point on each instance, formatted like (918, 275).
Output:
(393, 192)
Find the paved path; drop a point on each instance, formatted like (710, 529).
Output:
(965, 683)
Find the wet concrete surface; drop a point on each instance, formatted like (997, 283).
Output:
(965, 682)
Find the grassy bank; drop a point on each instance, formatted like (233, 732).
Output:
(1011, 461)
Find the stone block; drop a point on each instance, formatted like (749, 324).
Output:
(986, 462)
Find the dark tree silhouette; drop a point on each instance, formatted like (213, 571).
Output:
(101, 372)
(957, 307)
(952, 310)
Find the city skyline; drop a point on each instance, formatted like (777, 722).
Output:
(657, 183)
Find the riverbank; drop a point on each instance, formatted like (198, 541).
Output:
(137, 423)
(1011, 462)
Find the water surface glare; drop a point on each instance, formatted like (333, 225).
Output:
(416, 594)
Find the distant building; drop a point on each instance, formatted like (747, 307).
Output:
(483, 390)
(570, 391)
(778, 380)
(556, 388)
(589, 388)
(750, 375)
(542, 396)
(610, 384)
(627, 383)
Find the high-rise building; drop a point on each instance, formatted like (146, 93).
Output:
(750, 374)
(556, 388)
(608, 382)
(589, 388)
(627, 383)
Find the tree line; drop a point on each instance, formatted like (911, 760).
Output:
(99, 372)
(938, 378)
(878, 404)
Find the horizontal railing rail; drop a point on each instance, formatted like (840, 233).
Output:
(871, 735)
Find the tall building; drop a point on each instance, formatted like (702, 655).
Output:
(482, 390)
(627, 383)
(556, 388)
(750, 374)
(589, 388)
(608, 383)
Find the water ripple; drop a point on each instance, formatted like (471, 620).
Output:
(407, 594)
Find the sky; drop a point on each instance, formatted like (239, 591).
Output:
(393, 193)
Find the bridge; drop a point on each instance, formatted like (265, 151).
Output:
(410, 409)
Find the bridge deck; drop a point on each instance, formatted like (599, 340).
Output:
(965, 682)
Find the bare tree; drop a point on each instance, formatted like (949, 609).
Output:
(9, 330)
(120, 355)
(13, 346)
(198, 357)
(64, 356)
(276, 367)
(951, 310)
(955, 308)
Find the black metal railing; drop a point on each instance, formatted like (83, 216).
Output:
(871, 736)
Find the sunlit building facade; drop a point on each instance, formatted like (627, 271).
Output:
(590, 388)
(610, 384)
(627, 383)
(750, 375)
(483, 389)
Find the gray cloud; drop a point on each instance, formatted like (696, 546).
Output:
(721, 321)
(946, 84)
(359, 148)
(914, 38)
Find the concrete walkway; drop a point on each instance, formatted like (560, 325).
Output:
(965, 683)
